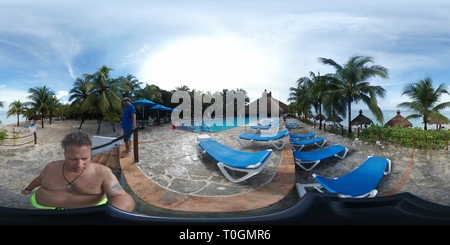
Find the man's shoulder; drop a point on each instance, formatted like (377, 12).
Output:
(97, 167)
(51, 166)
(56, 163)
(131, 108)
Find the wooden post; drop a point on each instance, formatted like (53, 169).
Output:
(324, 127)
(357, 133)
(135, 145)
(35, 138)
(342, 130)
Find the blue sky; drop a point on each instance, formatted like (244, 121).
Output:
(216, 44)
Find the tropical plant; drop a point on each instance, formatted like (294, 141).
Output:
(3, 135)
(78, 94)
(132, 84)
(16, 108)
(41, 101)
(182, 88)
(113, 118)
(316, 88)
(150, 92)
(1, 105)
(105, 94)
(350, 84)
(54, 104)
(425, 101)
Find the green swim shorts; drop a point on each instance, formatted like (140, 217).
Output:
(37, 205)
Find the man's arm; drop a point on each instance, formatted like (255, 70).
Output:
(133, 120)
(116, 195)
(36, 182)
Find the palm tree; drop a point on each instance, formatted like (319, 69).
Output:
(424, 101)
(113, 118)
(78, 94)
(54, 104)
(350, 84)
(150, 92)
(297, 101)
(1, 105)
(42, 99)
(316, 88)
(183, 88)
(16, 108)
(132, 84)
(105, 94)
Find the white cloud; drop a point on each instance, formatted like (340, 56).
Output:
(9, 94)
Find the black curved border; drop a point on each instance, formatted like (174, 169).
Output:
(313, 208)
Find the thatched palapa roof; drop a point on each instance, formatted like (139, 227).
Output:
(361, 120)
(438, 122)
(272, 103)
(320, 117)
(334, 118)
(399, 120)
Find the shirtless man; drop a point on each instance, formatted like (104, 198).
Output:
(75, 182)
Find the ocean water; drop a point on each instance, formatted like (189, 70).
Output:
(9, 120)
(388, 114)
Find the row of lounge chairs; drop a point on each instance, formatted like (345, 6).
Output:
(361, 182)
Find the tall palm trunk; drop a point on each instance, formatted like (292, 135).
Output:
(42, 119)
(349, 103)
(99, 124)
(320, 119)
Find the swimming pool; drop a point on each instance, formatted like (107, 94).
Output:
(216, 125)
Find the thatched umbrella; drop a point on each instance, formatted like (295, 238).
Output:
(437, 122)
(361, 120)
(278, 106)
(334, 118)
(320, 117)
(34, 117)
(399, 120)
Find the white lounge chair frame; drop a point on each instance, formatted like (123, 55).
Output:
(277, 143)
(319, 141)
(301, 188)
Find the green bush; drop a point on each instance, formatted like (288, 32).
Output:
(3, 136)
(408, 137)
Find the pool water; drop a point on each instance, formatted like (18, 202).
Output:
(216, 125)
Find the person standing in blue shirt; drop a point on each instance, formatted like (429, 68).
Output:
(128, 123)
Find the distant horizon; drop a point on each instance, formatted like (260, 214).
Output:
(388, 114)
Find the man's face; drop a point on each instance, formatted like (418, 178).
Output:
(77, 157)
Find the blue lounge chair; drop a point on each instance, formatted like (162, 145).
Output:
(360, 182)
(292, 125)
(258, 128)
(302, 136)
(276, 140)
(314, 157)
(297, 145)
(272, 125)
(250, 163)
